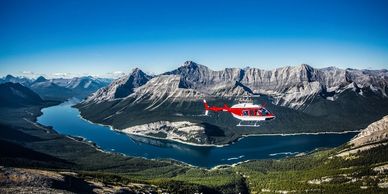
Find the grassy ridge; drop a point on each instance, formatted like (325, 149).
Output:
(318, 172)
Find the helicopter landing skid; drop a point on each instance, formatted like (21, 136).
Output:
(248, 124)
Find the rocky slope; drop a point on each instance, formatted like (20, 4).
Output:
(17, 95)
(120, 87)
(374, 133)
(24, 180)
(182, 131)
(161, 89)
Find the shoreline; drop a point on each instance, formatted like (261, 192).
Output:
(152, 137)
(303, 133)
(221, 145)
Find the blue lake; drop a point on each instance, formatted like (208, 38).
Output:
(66, 120)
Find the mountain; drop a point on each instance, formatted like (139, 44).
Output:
(17, 95)
(82, 87)
(85, 82)
(22, 80)
(60, 88)
(293, 87)
(120, 87)
(49, 90)
(40, 79)
(303, 98)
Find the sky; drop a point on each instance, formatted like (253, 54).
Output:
(109, 38)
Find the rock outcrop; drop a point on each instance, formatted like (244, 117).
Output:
(374, 133)
(182, 131)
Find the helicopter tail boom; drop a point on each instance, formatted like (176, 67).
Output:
(213, 108)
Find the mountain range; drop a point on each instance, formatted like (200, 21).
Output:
(304, 99)
(288, 86)
(60, 88)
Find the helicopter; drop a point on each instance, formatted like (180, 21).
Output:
(246, 111)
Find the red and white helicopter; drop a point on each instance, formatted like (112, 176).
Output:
(245, 112)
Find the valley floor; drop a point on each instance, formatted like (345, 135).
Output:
(30, 152)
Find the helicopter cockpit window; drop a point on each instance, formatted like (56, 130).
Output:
(245, 113)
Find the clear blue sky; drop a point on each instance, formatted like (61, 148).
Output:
(101, 37)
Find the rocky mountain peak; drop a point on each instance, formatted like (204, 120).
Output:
(306, 67)
(190, 63)
(40, 79)
(136, 71)
(121, 87)
(8, 77)
(191, 66)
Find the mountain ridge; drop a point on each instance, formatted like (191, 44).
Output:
(60, 88)
(289, 86)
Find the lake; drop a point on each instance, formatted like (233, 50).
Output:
(66, 120)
